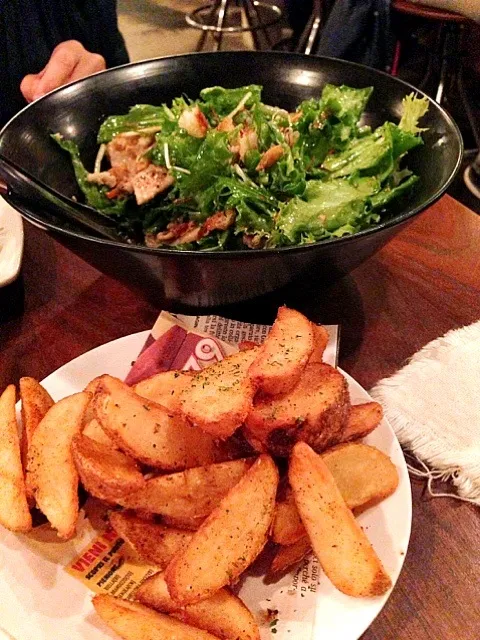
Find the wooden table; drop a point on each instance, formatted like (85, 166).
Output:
(425, 282)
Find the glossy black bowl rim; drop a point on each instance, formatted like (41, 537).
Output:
(396, 220)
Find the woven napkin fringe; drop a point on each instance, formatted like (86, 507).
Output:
(433, 405)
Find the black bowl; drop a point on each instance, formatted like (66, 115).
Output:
(205, 279)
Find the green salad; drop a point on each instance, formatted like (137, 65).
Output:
(227, 171)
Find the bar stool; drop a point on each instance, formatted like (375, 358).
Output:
(445, 58)
(215, 19)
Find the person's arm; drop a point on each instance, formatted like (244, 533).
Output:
(69, 61)
(468, 8)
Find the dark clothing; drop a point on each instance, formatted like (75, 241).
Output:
(31, 29)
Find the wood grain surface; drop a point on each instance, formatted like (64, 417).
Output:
(425, 282)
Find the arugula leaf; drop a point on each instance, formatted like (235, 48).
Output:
(141, 116)
(224, 101)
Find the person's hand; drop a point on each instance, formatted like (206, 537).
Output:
(69, 61)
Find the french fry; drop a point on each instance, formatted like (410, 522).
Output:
(346, 555)
(223, 614)
(284, 354)
(230, 538)
(287, 527)
(133, 621)
(147, 431)
(36, 401)
(106, 473)
(364, 475)
(289, 555)
(320, 341)
(53, 473)
(153, 543)
(220, 396)
(192, 493)
(93, 430)
(315, 411)
(362, 420)
(164, 388)
(14, 513)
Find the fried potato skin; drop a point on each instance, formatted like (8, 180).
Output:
(133, 621)
(51, 465)
(284, 354)
(164, 388)
(287, 527)
(184, 523)
(14, 512)
(230, 538)
(192, 493)
(320, 341)
(106, 473)
(315, 411)
(346, 555)
(153, 543)
(362, 420)
(219, 397)
(223, 614)
(289, 555)
(147, 431)
(36, 401)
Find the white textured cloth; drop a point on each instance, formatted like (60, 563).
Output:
(433, 404)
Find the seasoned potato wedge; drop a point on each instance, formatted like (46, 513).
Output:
(338, 541)
(320, 341)
(187, 524)
(36, 401)
(14, 513)
(147, 431)
(93, 430)
(364, 475)
(133, 621)
(315, 411)
(246, 345)
(223, 614)
(192, 493)
(289, 555)
(154, 543)
(104, 472)
(230, 538)
(164, 388)
(287, 528)
(220, 396)
(362, 420)
(284, 354)
(54, 476)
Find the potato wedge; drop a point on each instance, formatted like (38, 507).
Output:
(14, 513)
(284, 354)
(36, 401)
(364, 475)
(192, 493)
(287, 527)
(230, 538)
(320, 341)
(53, 473)
(106, 473)
(315, 411)
(154, 543)
(223, 614)
(133, 621)
(362, 420)
(93, 430)
(338, 541)
(186, 524)
(289, 555)
(246, 345)
(220, 396)
(164, 388)
(147, 431)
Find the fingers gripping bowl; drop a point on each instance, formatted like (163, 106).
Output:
(208, 278)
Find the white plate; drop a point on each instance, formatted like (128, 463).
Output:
(39, 601)
(11, 243)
